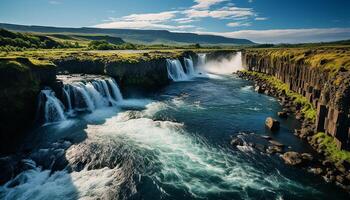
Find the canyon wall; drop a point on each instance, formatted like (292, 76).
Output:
(20, 83)
(328, 89)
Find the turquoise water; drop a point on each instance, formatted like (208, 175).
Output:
(172, 144)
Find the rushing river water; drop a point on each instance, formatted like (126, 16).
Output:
(173, 144)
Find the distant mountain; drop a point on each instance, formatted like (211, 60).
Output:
(132, 35)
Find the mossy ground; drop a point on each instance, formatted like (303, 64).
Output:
(307, 108)
(331, 58)
(330, 148)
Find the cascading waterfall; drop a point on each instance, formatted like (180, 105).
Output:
(53, 107)
(201, 59)
(79, 96)
(189, 66)
(115, 90)
(176, 71)
(223, 66)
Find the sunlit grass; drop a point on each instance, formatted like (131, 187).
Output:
(330, 147)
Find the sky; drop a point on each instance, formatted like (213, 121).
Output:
(262, 21)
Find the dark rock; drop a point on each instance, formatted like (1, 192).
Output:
(237, 141)
(339, 179)
(292, 158)
(272, 124)
(259, 89)
(274, 149)
(307, 156)
(317, 171)
(282, 114)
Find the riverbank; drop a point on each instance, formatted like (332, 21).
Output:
(332, 163)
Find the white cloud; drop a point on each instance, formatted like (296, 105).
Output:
(223, 13)
(184, 20)
(261, 18)
(288, 35)
(205, 4)
(54, 2)
(237, 24)
(146, 21)
(141, 25)
(154, 17)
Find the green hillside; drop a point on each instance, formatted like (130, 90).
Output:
(135, 36)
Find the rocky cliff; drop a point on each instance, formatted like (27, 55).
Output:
(320, 75)
(20, 82)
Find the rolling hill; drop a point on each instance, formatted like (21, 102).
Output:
(136, 36)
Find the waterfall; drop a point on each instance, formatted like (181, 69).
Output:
(53, 108)
(97, 98)
(115, 90)
(78, 97)
(237, 61)
(82, 99)
(225, 65)
(189, 66)
(175, 70)
(202, 59)
(67, 93)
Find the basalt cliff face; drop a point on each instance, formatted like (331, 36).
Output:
(321, 76)
(20, 82)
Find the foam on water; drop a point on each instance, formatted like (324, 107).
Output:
(43, 184)
(187, 162)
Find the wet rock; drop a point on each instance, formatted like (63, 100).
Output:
(307, 156)
(237, 141)
(272, 124)
(266, 137)
(326, 163)
(292, 158)
(316, 171)
(274, 149)
(275, 143)
(282, 115)
(339, 179)
(259, 89)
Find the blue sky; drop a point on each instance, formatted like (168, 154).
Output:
(259, 20)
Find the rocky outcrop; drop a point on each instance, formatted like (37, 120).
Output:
(272, 124)
(20, 82)
(328, 90)
(148, 74)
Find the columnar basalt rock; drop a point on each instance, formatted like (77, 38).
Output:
(328, 92)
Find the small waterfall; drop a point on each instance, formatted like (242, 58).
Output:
(97, 98)
(189, 66)
(115, 90)
(201, 59)
(175, 70)
(52, 107)
(67, 93)
(78, 97)
(82, 99)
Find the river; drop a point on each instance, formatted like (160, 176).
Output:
(170, 144)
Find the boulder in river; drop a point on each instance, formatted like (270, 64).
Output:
(292, 158)
(272, 124)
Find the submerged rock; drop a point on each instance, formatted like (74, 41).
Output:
(272, 124)
(282, 115)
